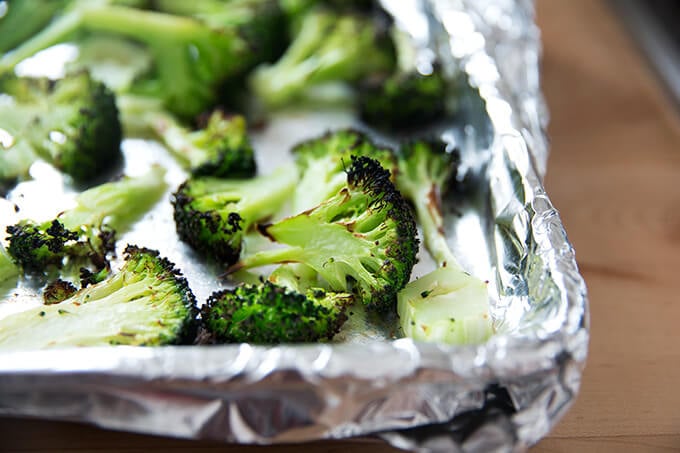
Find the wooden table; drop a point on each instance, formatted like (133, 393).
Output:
(614, 174)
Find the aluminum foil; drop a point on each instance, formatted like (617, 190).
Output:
(500, 396)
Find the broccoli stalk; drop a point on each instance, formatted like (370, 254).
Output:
(329, 47)
(362, 240)
(88, 229)
(447, 305)
(71, 123)
(8, 269)
(146, 303)
(213, 215)
(284, 309)
(220, 147)
(22, 19)
(192, 56)
(322, 162)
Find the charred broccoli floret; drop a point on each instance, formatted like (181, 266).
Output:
(219, 147)
(58, 291)
(146, 303)
(447, 305)
(87, 230)
(72, 123)
(283, 312)
(213, 215)
(362, 240)
(322, 164)
(416, 93)
(328, 47)
(195, 47)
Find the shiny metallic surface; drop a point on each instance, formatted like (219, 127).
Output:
(500, 396)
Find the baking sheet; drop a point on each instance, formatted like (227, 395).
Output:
(503, 395)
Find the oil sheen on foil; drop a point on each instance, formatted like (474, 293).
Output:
(500, 396)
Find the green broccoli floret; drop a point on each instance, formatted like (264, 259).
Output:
(86, 231)
(328, 47)
(322, 164)
(284, 309)
(72, 123)
(8, 269)
(193, 54)
(213, 215)
(415, 94)
(219, 147)
(447, 305)
(362, 240)
(146, 303)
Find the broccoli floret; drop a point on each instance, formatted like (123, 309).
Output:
(58, 291)
(146, 303)
(322, 162)
(213, 215)
(219, 147)
(192, 54)
(447, 305)
(362, 240)
(72, 123)
(328, 47)
(416, 93)
(8, 269)
(283, 309)
(87, 230)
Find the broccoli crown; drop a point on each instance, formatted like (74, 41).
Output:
(426, 170)
(362, 240)
(192, 54)
(403, 100)
(446, 305)
(268, 313)
(220, 147)
(87, 231)
(329, 47)
(58, 291)
(212, 215)
(146, 303)
(38, 246)
(72, 123)
(322, 162)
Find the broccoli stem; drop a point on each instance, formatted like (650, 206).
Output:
(117, 204)
(8, 269)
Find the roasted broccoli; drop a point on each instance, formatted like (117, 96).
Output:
(362, 240)
(58, 291)
(146, 303)
(193, 53)
(8, 269)
(72, 123)
(87, 231)
(328, 47)
(322, 163)
(213, 215)
(284, 309)
(219, 147)
(416, 93)
(447, 305)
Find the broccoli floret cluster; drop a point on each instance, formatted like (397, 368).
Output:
(146, 303)
(71, 123)
(336, 227)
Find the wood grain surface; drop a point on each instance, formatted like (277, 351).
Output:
(614, 175)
